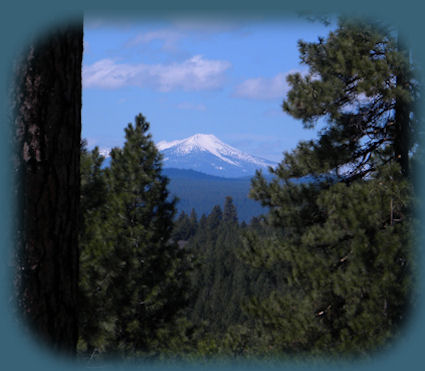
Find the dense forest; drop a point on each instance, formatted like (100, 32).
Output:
(326, 271)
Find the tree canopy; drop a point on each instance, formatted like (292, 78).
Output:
(344, 239)
(133, 274)
(361, 82)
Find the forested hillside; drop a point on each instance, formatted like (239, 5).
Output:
(202, 192)
(328, 271)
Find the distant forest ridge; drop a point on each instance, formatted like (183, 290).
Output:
(201, 192)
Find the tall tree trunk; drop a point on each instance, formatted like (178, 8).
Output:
(47, 114)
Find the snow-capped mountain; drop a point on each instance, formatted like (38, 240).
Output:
(209, 155)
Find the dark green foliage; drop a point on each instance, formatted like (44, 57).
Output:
(182, 228)
(347, 266)
(343, 241)
(133, 277)
(93, 313)
(185, 226)
(223, 283)
(229, 213)
(214, 279)
(361, 82)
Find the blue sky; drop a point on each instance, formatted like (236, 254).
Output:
(190, 75)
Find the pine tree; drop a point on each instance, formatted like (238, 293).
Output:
(94, 313)
(140, 273)
(214, 218)
(229, 211)
(193, 222)
(221, 281)
(342, 240)
(362, 83)
(182, 227)
(185, 226)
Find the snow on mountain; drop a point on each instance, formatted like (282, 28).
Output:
(207, 154)
(105, 152)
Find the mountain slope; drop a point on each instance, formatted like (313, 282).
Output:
(207, 154)
(202, 192)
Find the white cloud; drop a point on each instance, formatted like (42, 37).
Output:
(107, 74)
(262, 88)
(192, 74)
(191, 106)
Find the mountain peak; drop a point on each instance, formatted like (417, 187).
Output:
(198, 140)
(217, 157)
(200, 137)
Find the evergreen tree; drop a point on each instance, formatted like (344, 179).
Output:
(94, 314)
(214, 218)
(202, 222)
(229, 211)
(222, 282)
(140, 273)
(362, 83)
(343, 240)
(193, 222)
(182, 227)
(93, 183)
(149, 263)
(185, 226)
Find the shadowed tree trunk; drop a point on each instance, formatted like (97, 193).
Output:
(47, 112)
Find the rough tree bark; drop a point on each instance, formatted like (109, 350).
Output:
(47, 115)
